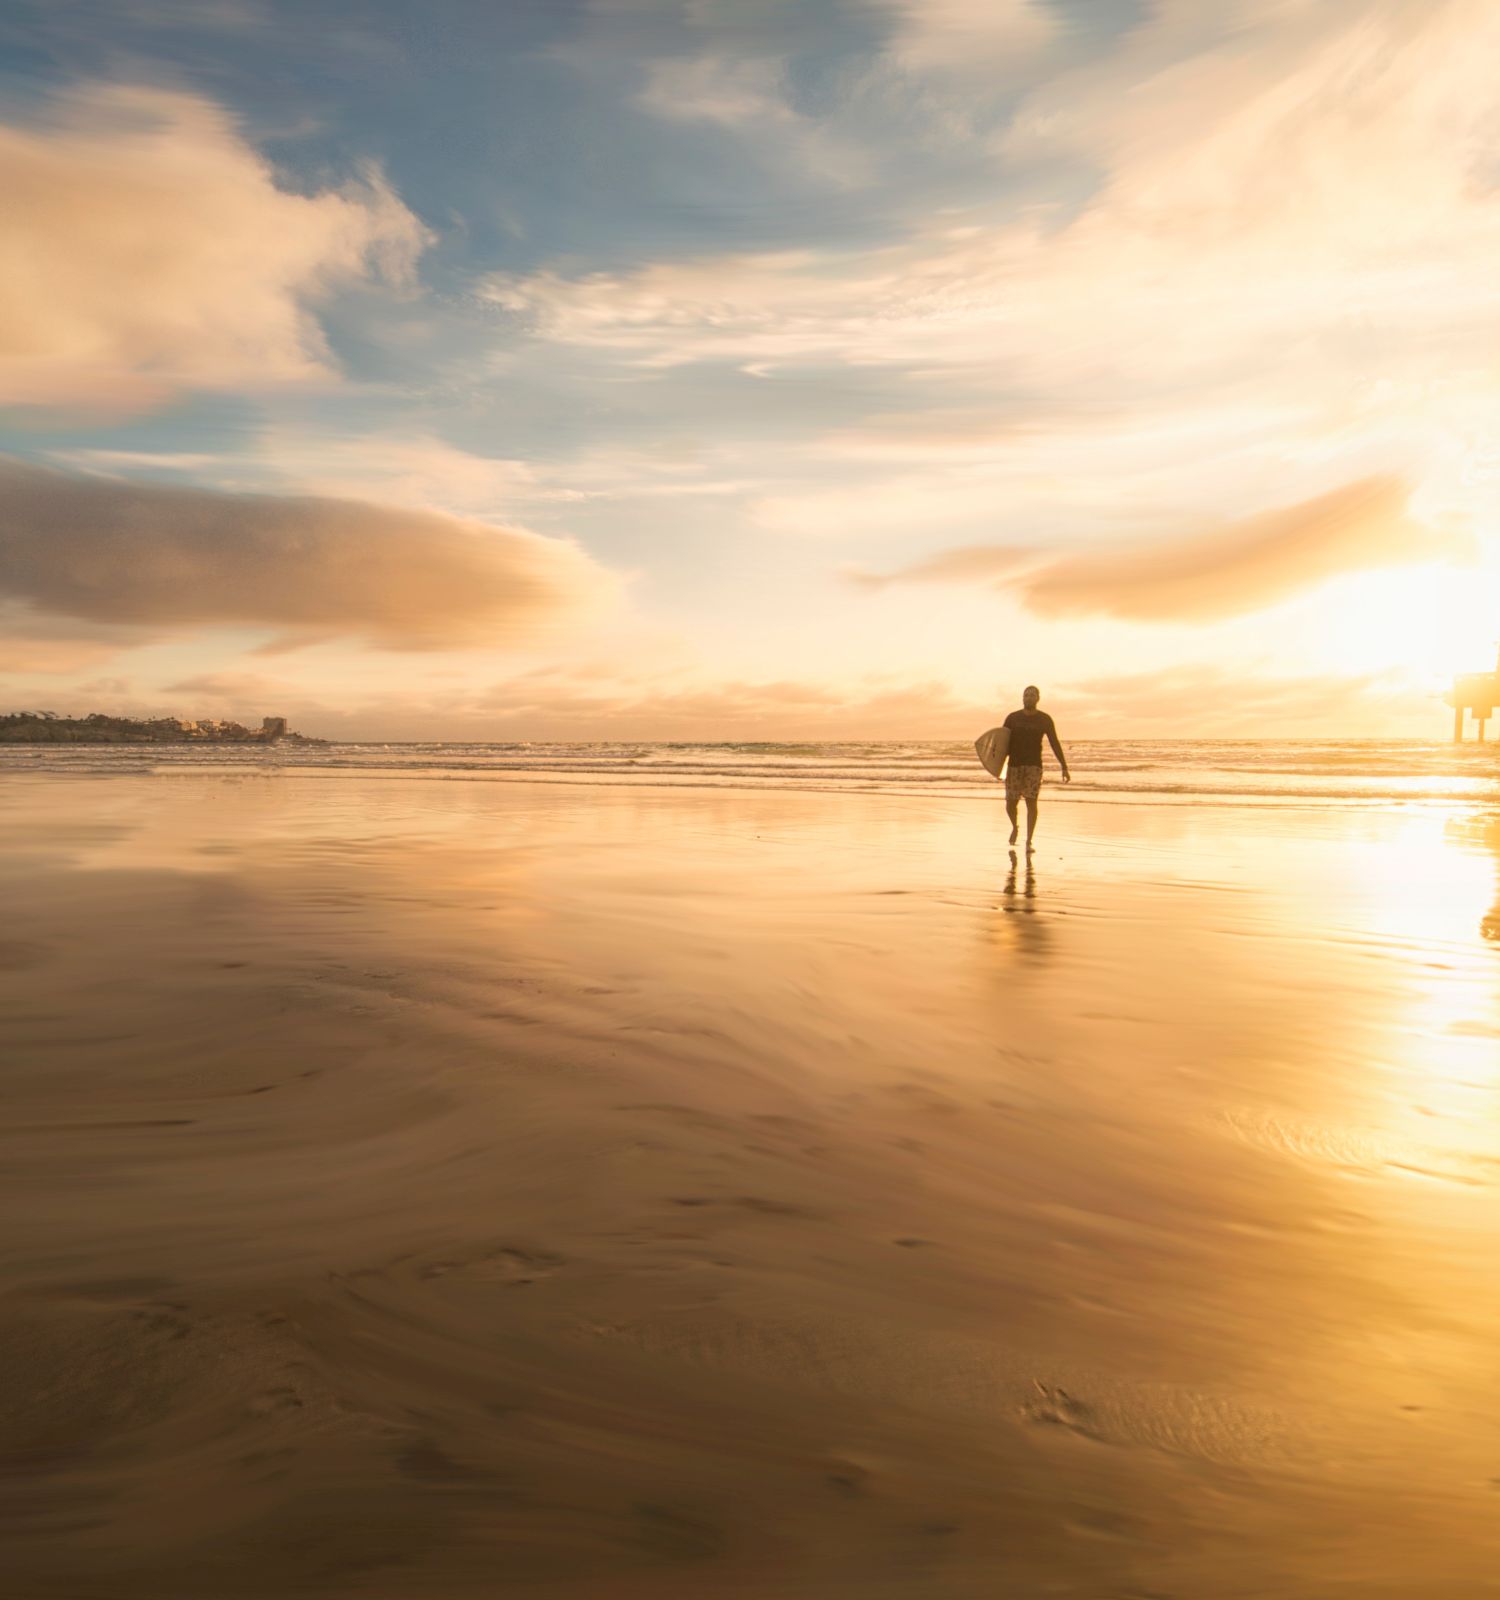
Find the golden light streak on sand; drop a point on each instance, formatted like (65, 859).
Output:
(454, 1189)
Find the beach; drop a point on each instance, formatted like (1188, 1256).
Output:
(423, 1186)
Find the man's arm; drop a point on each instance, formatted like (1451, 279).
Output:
(1057, 750)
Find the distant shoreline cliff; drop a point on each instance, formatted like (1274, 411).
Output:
(44, 727)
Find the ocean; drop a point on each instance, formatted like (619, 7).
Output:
(1348, 771)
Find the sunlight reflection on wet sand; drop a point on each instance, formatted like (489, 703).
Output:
(455, 1189)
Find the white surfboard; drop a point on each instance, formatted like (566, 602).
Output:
(992, 748)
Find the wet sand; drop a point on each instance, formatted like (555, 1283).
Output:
(422, 1189)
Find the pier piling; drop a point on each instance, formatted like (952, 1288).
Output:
(1477, 693)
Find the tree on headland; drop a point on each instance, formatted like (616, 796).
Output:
(46, 727)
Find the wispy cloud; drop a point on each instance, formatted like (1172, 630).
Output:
(1202, 697)
(404, 468)
(563, 704)
(408, 468)
(87, 458)
(1206, 698)
(1288, 214)
(173, 558)
(970, 38)
(750, 97)
(1241, 567)
(237, 688)
(989, 565)
(150, 249)
(53, 656)
(56, 646)
(1248, 565)
(736, 93)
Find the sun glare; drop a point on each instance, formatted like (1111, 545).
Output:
(1425, 622)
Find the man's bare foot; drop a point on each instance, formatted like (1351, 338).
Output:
(1015, 833)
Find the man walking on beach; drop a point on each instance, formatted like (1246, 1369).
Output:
(1023, 777)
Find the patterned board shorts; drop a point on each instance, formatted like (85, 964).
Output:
(1022, 783)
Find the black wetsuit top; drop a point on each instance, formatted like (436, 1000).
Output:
(1026, 731)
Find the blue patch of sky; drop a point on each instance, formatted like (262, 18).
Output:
(516, 132)
(1099, 23)
(197, 424)
(559, 404)
(515, 129)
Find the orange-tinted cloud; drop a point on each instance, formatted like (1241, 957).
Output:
(241, 687)
(59, 656)
(1198, 698)
(172, 558)
(1205, 699)
(147, 248)
(561, 705)
(54, 645)
(1249, 564)
(1245, 566)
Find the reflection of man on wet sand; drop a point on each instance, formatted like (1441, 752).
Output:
(1023, 775)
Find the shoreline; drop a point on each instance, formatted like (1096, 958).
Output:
(1078, 791)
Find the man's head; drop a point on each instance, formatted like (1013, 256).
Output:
(1030, 695)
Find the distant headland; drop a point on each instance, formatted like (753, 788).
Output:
(46, 727)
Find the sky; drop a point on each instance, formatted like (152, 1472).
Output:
(750, 369)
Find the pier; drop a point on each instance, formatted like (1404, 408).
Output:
(1477, 693)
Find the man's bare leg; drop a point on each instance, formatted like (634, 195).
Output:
(1010, 811)
(1030, 821)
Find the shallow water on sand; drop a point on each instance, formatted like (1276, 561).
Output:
(433, 1190)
